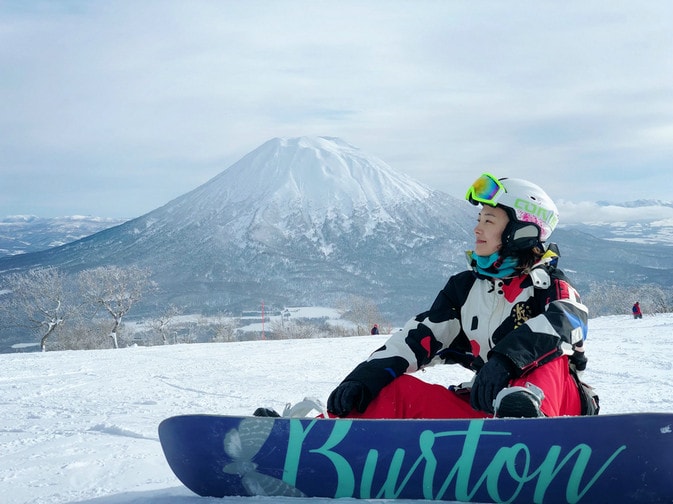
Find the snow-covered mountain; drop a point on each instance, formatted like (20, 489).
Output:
(641, 203)
(22, 234)
(641, 221)
(297, 221)
(313, 221)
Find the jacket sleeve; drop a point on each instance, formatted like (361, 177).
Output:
(431, 337)
(559, 328)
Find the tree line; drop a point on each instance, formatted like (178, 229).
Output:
(86, 310)
(43, 301)
(608, 298)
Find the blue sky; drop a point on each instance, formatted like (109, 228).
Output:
(114, 108)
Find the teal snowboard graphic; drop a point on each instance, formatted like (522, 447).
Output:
(599, 459)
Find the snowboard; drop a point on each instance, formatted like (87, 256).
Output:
(597, 459)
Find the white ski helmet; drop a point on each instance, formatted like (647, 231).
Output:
(532, 213)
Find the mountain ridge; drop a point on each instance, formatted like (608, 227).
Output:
(21, 234)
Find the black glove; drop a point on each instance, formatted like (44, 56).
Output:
(491, 379)
(347, 396)
(579, 360)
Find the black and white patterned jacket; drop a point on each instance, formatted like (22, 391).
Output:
(529, 319)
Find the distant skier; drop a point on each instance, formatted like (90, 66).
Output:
(375, 329)
(637, 314)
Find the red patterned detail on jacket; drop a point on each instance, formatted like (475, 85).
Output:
(476, 348)
(566, 291)
(425, 343)
(513, 288)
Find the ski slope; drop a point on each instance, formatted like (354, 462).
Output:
(81, 427)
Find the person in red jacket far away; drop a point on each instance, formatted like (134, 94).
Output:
(637, 314)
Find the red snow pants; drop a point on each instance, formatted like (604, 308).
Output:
(409, 397)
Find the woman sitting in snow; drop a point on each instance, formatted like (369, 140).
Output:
(513, 318)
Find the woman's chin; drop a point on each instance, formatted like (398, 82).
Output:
(483, 251)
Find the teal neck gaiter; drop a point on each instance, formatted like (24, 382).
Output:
(494, 265)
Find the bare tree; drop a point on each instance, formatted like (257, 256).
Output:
(37, 301)
(224, 329)
(662, 302)
(82, 334)
(295, 329)
(164, 322)
(362, 312)
(115, 290)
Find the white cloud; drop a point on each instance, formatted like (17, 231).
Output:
(593, 213)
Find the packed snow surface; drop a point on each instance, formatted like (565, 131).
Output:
(82, 426)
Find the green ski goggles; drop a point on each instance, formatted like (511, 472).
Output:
(485, 190)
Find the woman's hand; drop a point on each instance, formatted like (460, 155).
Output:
(491, 379)
(347, 396)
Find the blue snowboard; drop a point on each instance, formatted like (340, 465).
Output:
(600, 459)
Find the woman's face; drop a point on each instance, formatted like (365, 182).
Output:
(491, 223)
